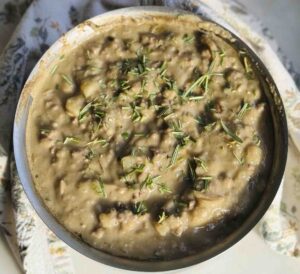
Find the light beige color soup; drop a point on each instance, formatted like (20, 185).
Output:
(143, 137)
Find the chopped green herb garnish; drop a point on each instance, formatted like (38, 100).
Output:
(94, 110)
(162, 217)
(176, 125)
(98, 187)
(135, 112)
(136, 66)
(209, 127)
(240, 160)
(188, 38)
(163, 188)
(53, 70)
(67, 79)
(248, 69)
(141, 63)
(178, 134)
(136, 169)
(163, 69)
(191, 171)
(84, 111)
(143, 84)
(170, 83)
(94, 68)
(230, 133)
(124, 85)
(125, 135)
(97, 141)
(206, 178)
(174, 155)
(113, 83)
(139, 208)
(244, 108)
(195, 98)
(71, 140)
(222, 55)
(203, 80)
(149, 182)
(98, 113)
(201, 163)
(140, 134)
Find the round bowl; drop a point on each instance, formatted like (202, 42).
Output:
(80, 34)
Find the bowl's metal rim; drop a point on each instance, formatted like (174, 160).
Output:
(130, 264)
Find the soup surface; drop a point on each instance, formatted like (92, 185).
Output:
(143, 138)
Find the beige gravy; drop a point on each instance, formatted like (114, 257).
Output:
(146, 134)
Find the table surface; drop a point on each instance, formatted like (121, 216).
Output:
(282, 17)
(250, 253)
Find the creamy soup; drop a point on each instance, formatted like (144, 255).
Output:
(145, 137)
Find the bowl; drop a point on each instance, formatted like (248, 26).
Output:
(242, 225)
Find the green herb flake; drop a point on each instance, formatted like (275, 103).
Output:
(71, 140)
(137, 66)
(174, 155)
(203, 80)
(163, 188)
(84, 111)
(195, 98)
(243, 110)
(222, 55)
(162, 217)
(247, 66)
(98, 187)
(124, 85)
(53, 70)
(136, 115)
(241, 160)
(201, 163)
(102, 142)
(140, 208)
(188, 38)
(149, 182)
(141, 134)
(191, 171)
(210, 127)
(138, 168)
(143, 85)
(67, 79)
(125, 135)
(230, 133)
(206, 178)
(163, 69)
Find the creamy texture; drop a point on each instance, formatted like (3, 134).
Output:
(144, 136)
